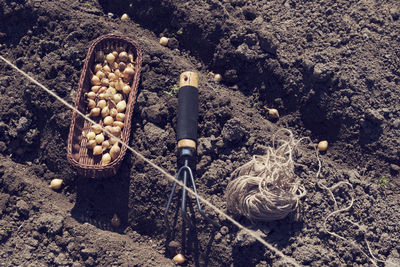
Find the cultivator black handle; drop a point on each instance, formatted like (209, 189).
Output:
(188, 112)
(188, 109)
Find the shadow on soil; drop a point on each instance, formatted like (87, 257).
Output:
(188, 235)
(19, 21)
(277, 232)
(98, 200)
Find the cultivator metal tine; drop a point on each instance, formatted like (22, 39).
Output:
(213, 222)
(182, 175)
(168, 206)
(185, 170)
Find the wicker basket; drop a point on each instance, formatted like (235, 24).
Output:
(77, 153)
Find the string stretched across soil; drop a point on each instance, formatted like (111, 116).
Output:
(282, 196)
(254, 234)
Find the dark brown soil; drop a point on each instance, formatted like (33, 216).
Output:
(331, 68)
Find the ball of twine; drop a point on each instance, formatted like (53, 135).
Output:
(266, 188)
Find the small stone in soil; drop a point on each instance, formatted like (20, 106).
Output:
(115, 221)
(50, 223)
(3, 147)
(22, 208)
(396, 124)
(224, 230)
(173, 246)
(232, 131)
(395, 168)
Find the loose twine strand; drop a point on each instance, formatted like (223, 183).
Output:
(161, 170)
(266, 188)
(336, 211)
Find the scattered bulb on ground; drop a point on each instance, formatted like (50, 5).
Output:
(179, 258)
(125, 17)
(56, 184)
(322, 146)
(273, 113)
(217, 77)
(164, 41)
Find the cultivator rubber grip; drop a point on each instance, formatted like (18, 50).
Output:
(188, 110)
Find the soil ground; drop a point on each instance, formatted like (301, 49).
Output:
(331, 68)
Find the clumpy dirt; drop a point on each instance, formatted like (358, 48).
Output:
(331, 69)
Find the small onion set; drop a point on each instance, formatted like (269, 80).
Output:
(125, 17)
(164, 41)
(217, 77)
(272, 113)
(179, 258)
(56, 184)
(322, 146)
(111, 83)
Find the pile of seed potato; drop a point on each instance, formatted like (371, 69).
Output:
(111, 81)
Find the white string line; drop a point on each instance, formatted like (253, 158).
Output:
(169, 176)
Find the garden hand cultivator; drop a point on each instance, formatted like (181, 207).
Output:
(187, 139)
